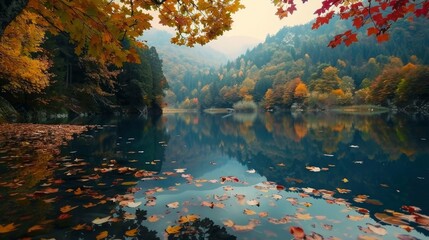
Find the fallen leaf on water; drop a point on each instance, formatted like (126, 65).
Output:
(297, 232)
(313, 236)
(253, 202)
(277, 196)
(173, 229)
(249, 212)
(134, 204)
(81, 227)
(263, 214)
(251, 171)
(377, 229)
(373, 202)
(128, 183)
(188, 218)
(367, 237)
(101, 220)
(35, 228)
(313, 169)
(129, 216)
(249, 227)
(153, 218)
(102, 235)
(228, 223)
(343, 190)
(356, 217)
(131, 233)
(88, 205)
(78, 191)
(64, 216)
(345, 180)
(67, 208)
(303, 216)
(173, 205)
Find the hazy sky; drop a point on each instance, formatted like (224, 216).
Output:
(258, 18)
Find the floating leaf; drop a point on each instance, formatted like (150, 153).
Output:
(345, 180)
(133, 204)
(297, 232)
(99, 221)
(249, 212)
(173, 205)
(35, 228)
(78, 191)
(102, 235)
(128, 183)
(263, 214)
(173, 229)
(132, 232)
(253, 202)
(228, 223)
(303, 216)
(377, 229)
(67, 208)
(277, 196)
(81, 227)
(188, 218)
(153, 218)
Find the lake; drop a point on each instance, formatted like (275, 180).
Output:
(238, 176)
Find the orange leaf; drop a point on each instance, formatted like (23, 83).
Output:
(35, 228)
(102, 235)
(8, 228)
(131, 233)
(173, 229)
(383, 37)
(78, 191)
(67, 208)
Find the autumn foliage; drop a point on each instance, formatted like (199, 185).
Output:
(377, 16)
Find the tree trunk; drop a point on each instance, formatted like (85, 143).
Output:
(9, 10)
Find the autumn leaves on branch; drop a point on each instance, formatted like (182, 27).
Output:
(378, 15)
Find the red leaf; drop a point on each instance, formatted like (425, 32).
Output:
(291, 9)
(297, 232)
(372, 30)
(357, 22)
(351, 39)
(383, 37)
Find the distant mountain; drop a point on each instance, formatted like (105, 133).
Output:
(177, 60)
(234, 46)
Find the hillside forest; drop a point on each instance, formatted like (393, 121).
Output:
(295, 68)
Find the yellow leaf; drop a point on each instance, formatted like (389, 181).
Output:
(102, 235)
(345, 180)
(188, 218)
(131, 233)
(128, 183)
(173, 229)
(67, 208)
(303, 216)
(8, 228)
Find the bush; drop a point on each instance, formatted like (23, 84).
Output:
(245, 106)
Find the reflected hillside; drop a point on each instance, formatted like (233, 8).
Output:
(280, 147)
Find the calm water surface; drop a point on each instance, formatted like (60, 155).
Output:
(226, 177)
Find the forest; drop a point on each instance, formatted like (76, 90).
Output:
(295, 68)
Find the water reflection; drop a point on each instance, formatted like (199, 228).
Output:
(171, 168)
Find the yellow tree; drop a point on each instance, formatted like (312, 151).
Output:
(301, 92)
(19, 70)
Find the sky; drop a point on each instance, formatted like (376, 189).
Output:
(258, 18)
(253, 23)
